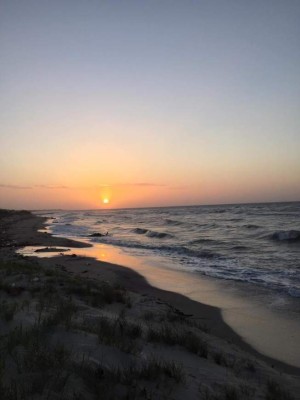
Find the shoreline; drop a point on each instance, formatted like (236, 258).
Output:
(134, 282)
(152, 280)
(21, 229)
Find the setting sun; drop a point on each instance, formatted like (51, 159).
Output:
(105, 200)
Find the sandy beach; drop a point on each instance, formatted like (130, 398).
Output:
(162, 343)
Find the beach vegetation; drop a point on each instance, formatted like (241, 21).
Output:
(227, 391)
(105, 381)
(230, 392)
(148, 315)
(176, 316)
(117, 332)
(250, 366)
(53, 305)
(41, 371)
(223, 359)
(171, 336)
(153, 369)
(275, 392)
(62, 313)
(247, 391)
(18, 269)
(20, 336)
(97, 295)
(7, 310)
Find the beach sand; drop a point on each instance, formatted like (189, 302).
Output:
(252, 312)
(213, 361)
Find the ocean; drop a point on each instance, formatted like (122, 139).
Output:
(254, 243)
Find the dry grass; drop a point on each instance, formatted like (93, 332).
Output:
(117, 332)
(226, 392)
(169, 335)
(105, 382)
(32, 367)
(8, 310)
(276, 392)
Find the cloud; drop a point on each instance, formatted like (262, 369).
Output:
(59, 187)
(147, 184)
(138, 184)
(4, 186)
(51, 187)
(14, 186)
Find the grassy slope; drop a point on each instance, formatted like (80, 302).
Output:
(65, 337)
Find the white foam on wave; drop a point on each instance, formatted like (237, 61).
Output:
(210, 241)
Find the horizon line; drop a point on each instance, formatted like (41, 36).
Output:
(171, 206)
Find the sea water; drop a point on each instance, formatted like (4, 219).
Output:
(254, 243)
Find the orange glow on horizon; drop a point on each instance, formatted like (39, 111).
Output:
(89, 194)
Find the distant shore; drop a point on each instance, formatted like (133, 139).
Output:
(19, 229)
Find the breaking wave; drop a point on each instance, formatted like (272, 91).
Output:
(173, 222)
(152, 234)
(179, 250)
(159, 235)
(251, 226)
(140, 231)
(286, 236)
(203, 240)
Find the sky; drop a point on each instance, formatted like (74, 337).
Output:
(148, 103)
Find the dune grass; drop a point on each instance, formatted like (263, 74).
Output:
(275, 392)
(33, 367)
(105, 382)
(8, 310)
(97, 294)
(171, 336)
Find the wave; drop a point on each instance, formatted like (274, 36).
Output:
(204, 254)
(178, 250)
(159, 235)
(152, 234)
(286, 236)
(239, 248)
(237, 243)
(174, 222)
(203, 240)
(251, 226)
(140, 231)
(294, 292)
